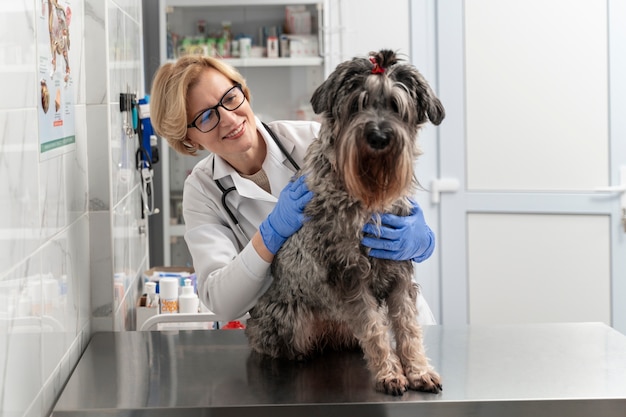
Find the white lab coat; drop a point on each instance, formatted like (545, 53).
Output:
(231, 276)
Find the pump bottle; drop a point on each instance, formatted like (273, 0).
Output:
(188, 300)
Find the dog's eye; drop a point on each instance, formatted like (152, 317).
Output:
(355, 107)
(396, 106)
(363, 101)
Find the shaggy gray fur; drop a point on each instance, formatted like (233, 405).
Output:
(327, 293)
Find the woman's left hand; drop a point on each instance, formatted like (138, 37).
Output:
(287, 216)
(400, 238)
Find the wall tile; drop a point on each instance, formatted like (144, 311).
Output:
(52, 191)
(97, 121)
(77, 53)
(95, 57)
(18, 64)
(19, 188)
(116, 53)
(21, 330)
(58, 243)
(78, 279)
(101, 271)
(76, 175)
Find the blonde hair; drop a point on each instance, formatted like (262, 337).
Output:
(168, 97)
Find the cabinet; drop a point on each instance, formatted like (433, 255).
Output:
(281, 87)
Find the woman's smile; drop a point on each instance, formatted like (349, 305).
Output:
(237, 133)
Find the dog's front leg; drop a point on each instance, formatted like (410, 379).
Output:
(402, 312)
(364, 316)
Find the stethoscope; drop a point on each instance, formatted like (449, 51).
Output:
(225, 191)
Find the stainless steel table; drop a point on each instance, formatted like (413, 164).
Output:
(522, 370)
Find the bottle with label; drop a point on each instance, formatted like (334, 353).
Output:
(168, 292)
(188, 300)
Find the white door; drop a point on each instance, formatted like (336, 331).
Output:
(535, 95)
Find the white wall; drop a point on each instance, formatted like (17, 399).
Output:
(360, 26)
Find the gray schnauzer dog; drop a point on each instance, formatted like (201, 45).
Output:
(327, 292)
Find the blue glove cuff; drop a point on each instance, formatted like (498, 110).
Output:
(272, 240)
(429, 250)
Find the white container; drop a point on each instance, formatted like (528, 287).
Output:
(188, 300)
(152, 299)
(245, 47)
(168, 292)
(151, 308)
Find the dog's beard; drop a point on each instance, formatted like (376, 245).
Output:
(377, 177)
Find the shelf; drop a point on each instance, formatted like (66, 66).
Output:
(214, 3)
(273, 62)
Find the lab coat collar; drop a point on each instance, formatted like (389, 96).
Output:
(274, 161)
(274, 150)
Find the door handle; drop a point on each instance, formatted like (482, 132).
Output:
(442, 185)
(621, 189)
(615, 189)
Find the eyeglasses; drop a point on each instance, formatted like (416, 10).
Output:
(209, 118)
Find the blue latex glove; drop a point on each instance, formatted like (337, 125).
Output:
(287, 216)
(400, 238)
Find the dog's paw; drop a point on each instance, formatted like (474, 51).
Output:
(393, 386)
(428, 382)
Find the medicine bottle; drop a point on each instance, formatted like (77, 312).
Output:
(168, 292)
(188, 300)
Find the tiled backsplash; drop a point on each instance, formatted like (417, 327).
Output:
(71, 250)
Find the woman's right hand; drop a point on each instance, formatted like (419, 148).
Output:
(287, 216)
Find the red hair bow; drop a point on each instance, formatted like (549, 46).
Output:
(377, 68)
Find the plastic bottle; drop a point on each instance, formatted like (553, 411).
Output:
(227, 35)
(152, 299)
(188, 300)
(168, 292)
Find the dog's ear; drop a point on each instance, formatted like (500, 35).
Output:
(409, 76)
(324, 96)
(347, 76)
(320, 100)
(426, 99)
(434, 109)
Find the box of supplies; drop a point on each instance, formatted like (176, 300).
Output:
(180, 272)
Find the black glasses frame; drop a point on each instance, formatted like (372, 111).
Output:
(220, 104)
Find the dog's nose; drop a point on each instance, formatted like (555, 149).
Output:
(377, 139)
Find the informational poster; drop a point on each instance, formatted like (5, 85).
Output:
(57, 133)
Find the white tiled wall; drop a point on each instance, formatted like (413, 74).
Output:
(69, 225)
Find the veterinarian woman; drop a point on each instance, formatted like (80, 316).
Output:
(239, 205)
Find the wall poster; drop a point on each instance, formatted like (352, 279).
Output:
(56, 109)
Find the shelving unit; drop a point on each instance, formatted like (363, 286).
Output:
(314, 61)
(281, 87)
